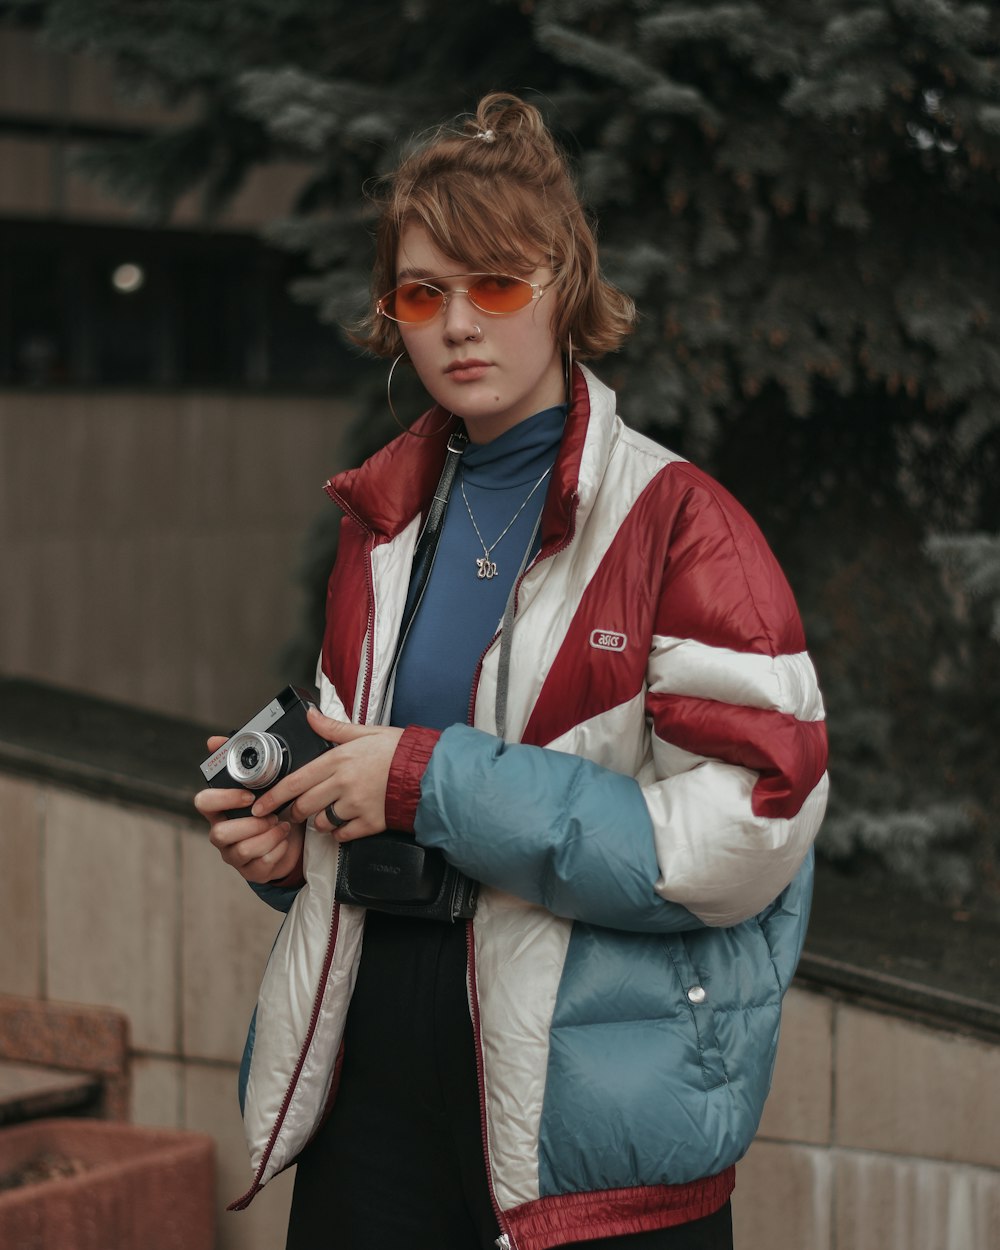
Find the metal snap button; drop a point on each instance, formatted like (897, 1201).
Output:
(697, 994)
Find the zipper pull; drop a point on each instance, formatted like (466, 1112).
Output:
(503, 1242)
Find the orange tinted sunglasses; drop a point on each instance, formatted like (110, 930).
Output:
(412, 303)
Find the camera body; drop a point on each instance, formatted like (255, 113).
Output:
(270, 745)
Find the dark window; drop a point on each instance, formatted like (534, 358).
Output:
(101, 306)
(35, 317)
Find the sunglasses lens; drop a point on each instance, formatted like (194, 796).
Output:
(499, 293)
(416, 302)
(411, 303)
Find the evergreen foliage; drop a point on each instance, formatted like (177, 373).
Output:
(804, 199)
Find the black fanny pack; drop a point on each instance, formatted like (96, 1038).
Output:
(391, 871)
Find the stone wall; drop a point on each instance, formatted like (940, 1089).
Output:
(149, 543)
(881, 1133)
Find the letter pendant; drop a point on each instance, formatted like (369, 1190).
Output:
(486, 568)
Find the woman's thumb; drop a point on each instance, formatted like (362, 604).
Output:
(338, 731)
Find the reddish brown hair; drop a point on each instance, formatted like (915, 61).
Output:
(497, 194)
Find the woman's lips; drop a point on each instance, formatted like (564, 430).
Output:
(467, 370)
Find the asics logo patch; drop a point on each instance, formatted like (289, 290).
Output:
(608, 640)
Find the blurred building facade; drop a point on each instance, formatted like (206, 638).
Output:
(168, 414)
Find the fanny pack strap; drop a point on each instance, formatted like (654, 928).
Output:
(507, 638)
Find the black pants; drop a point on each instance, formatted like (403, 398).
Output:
(399, 1162)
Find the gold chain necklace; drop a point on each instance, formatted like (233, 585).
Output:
(485, 567)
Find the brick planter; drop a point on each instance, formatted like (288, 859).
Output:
(137, 1188)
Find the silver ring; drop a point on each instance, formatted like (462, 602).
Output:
(333, 818)
(476, 335)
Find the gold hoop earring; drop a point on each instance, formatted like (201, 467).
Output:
(406, 429)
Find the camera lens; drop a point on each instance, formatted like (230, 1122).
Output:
(255, 760)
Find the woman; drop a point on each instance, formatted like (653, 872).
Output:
(632, 764)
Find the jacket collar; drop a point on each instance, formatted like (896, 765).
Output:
(395, 484)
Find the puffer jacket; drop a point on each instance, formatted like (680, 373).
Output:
(643, 836)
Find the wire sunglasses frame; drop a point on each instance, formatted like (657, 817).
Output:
(531, 291)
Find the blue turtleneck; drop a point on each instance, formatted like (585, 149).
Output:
(460, 612)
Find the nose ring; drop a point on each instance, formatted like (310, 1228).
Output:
(475, 336)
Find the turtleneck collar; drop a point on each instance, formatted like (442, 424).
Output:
(518, 455)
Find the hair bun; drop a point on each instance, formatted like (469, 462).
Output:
(501, 115)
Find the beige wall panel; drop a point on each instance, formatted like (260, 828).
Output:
(910, 1090)
(157, 1092)
(153, 541)
(26, 177)
(111, 904)
(799, 1106)
(907, 1204)
(32, 76)
(212, 1107)
(783, 1199)
(21, 850)
(227, 934)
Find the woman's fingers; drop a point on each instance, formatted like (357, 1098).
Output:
(283, 852)
(266, 845)
(224, 834)
(296, 784)
(260, 848)
(211, 803)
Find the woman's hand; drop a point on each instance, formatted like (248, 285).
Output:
(353, 778)
(261, 849)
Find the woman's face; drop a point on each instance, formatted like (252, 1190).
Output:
(492, 371)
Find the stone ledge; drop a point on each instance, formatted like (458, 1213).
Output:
(100, 747)
(28, 1091)
(865, 943)
(904, 953)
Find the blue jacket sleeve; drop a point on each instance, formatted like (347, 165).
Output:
(550, 827)
(280, 897)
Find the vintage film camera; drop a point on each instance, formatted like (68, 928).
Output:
(269, 746)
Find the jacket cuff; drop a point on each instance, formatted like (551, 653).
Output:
(402, 793)
(290, 881)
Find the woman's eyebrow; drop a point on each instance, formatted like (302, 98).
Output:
(407, 275)
(420, 275)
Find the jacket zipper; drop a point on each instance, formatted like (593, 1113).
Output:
(370, 582)
(366, 684)
(245, 1200)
